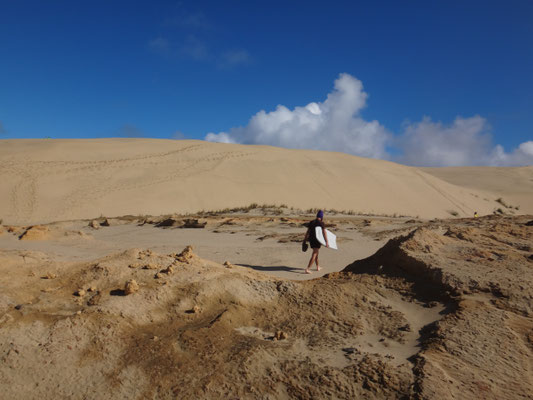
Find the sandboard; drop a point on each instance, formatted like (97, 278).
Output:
(332, 239)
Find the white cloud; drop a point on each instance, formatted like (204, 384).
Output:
(523, 155)
(333, 125)
(336, 125)
(467, 141)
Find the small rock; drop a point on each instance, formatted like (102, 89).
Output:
(131, 287)
(95, 300)
(80, 292)
(280, 335)
(36, 232)
(18, 307)
(227, 264)
(405, 328)
(168, 270)
(194, 310)
(94, 224)
(78, 312)
(186, 255)
(133, 266)
(159, 275)
(150, 266)
(50, 275)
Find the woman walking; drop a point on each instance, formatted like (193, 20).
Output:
(315, 244)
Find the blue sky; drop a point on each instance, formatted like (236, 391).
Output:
(449, 79)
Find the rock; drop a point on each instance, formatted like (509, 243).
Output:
(80, 293)
(168, 270)
(14, 229)
(94, 224)
(37, 232)
(168, 222)
(194, 310)
(105, 222)
(186, 255)
(92, 289)
(95, 300)
(193, 223)
(159, 275)
(280, 335)
(50, 275)
(227, 264)
(134, 266)
(131, 287)
(405, 328)
(150, 266)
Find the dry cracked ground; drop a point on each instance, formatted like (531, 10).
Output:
(443, 311)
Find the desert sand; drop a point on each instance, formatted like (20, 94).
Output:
(513, 185)
(51, 180)
(114, 285)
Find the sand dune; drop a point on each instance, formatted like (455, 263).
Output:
(50, 180)
(513, 185)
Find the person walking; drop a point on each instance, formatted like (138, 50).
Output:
(314, 243)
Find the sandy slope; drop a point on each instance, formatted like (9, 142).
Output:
(513, 185)
(49, 180)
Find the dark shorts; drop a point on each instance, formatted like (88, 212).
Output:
(315, 244)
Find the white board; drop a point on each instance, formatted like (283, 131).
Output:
(332, 239)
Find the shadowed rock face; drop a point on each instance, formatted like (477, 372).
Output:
(444, 311)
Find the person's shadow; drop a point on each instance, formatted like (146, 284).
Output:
(272, 268)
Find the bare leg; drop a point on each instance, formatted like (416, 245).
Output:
(316, 261)
(312, 260)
